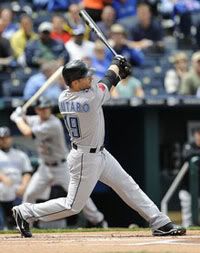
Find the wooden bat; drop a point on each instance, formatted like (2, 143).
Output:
(90, 22)
(46, 84)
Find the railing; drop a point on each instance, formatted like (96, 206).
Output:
(173, 187)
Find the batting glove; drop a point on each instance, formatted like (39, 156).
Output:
(123, 65)
(119, 60)
(17, 114)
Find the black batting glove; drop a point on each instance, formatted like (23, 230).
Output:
(123, 65)
(118, 60)
(125, 70)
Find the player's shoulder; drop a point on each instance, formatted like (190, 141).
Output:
(54, 118)
(54, 122)
(64, 94)
(18, 153)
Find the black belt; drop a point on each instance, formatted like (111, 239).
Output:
(55, 163)
(92, 150)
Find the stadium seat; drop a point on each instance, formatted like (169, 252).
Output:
(13, 88)
(23, 74)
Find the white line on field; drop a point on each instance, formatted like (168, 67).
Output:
(173, 241)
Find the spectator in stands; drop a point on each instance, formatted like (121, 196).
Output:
(58, 32)
(107, 20)
(73, 20)
(147, 34)
(124, 8)
(5, 57)
(128, 88)
(191, 81)
(121, 45)
(174, 77)
(21, 37)
(99, 61)
(45, 48)
(78, 47)
(9, 26)
(95, 8)
(15, 169)
(36, 81)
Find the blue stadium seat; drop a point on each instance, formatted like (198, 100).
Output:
(39, 17)
(13, 88)
(23, 74)
(154, 91)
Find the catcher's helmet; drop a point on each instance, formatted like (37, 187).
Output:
(43, 102)
(75, 70)
(4, 132)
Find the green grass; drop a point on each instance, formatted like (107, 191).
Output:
(85, 230)
(71, 230)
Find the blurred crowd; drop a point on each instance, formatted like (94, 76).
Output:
(161, 40)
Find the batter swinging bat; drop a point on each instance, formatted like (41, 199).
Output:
(48, 83)
(90, 22)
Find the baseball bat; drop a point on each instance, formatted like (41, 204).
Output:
(46, 84)
(90, 22)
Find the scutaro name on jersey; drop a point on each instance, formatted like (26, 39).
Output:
(74, 107)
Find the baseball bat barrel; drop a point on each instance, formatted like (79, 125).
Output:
(46, 84)
(90, 22)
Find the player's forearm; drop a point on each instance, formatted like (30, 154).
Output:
(22, 187)
(111, 77)
(25, 180)
(5, 179)
(24, 127)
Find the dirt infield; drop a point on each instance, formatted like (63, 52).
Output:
(100, 242)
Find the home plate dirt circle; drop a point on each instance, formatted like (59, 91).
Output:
(101, 242)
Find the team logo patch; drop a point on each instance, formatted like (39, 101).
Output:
(101, 86)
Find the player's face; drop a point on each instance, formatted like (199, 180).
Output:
(44, 113)
(84, 83)
(5, 142)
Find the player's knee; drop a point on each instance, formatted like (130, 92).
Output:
(77, 208)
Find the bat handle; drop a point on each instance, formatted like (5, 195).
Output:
(113, 51)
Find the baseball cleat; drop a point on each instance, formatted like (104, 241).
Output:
(169, 229)
(22, 225)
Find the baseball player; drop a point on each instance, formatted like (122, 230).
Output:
(15, 173)
(50, 141)
(88, 161)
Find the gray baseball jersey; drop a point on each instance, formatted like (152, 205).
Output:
(13, 164)
(50, 138)
(79, 109)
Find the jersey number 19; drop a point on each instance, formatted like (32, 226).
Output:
(72, 124)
